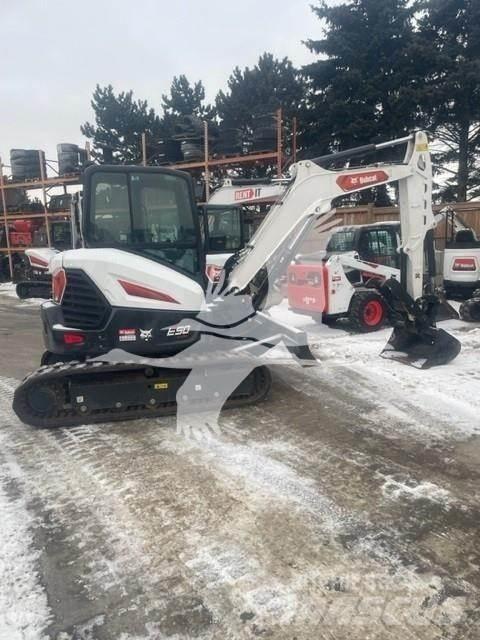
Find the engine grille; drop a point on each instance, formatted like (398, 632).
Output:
(83, 306)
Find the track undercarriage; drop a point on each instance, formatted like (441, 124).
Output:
(75, 393)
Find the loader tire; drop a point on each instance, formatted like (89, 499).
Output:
(368, 311)
(470, 310)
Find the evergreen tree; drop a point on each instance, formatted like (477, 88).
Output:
(184, 99)
(450, 31)
(270, 84)
(365, 84)
(119, 123)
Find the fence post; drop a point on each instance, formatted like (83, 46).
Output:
(370, 213)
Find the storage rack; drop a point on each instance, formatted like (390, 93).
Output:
(44, 183)
(275, 156)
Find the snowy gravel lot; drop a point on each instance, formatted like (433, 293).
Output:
(345, 506)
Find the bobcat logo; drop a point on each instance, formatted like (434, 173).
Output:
(146, 334)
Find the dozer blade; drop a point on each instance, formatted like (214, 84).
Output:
(421, 350)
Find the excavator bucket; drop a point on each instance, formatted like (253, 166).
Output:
(415, 339)
(445, 311)
(422, 350)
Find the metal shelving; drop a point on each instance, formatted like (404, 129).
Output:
(45, 183)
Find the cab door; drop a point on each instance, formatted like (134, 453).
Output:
(379, 245)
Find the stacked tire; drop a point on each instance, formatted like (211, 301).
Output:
(27, 164)
(70, 158)
(190, 127)
(192, 150)
(173, 151)
(189, 133)
(230, 141)
(264, 133)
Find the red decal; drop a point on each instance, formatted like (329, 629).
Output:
(73, 338)
(127, 335)
(464, 264)
(38, 262)
(352, 181)
(59, 284)
(244, 194)
(140, 291)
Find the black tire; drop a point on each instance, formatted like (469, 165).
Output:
(66, 147)
(191, 151)
(22, 290)
(264, 133)
(368, 311)
(23, 154)
(470, 310)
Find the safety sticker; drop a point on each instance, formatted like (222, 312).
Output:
(127, 335)
(160, 385)
(421, 146)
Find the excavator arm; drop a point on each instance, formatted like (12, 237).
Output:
(308, 199)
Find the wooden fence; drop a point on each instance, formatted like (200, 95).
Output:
(467, 212)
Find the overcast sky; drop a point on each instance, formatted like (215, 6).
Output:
(54, 52)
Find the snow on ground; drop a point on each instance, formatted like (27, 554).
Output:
(442, 402)
(7, 290)
(24, 611)
(268, 520)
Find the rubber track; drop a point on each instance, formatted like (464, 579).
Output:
(60, 373)
(34, 289)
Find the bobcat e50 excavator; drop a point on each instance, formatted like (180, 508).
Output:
(138, 284)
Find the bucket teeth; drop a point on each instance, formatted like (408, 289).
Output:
(421, 350)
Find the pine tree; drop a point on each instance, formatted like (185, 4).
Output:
(119, 123)
(184, 99)
(365, 84)
(267, 86)
(450, 31)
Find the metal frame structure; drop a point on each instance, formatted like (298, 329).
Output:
(45, 183)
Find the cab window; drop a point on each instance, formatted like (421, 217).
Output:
(149, 213)
(379, 246)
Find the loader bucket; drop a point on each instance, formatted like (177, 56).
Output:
(422, 350)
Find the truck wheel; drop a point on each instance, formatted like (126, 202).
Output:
(470, 310)
(368, 311)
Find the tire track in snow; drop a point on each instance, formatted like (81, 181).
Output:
(265, 499)
(24, 610)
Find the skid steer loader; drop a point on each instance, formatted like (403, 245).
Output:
(130, 307)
